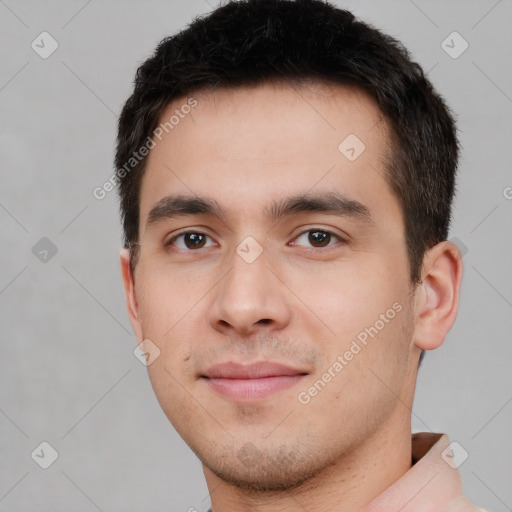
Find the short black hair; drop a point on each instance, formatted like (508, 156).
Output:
(251, 42)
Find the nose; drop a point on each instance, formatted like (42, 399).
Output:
(249, 298)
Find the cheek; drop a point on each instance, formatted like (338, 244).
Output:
(364, 374)
(172, 393)
(165, 297)
(168, 314)
(369, 324)
(346, 299)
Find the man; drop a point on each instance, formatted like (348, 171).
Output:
(286, 174)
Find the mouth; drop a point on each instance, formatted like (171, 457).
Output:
(254, 381)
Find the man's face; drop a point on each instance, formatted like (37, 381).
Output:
(326, 284)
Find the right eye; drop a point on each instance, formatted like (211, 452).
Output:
(191, 241)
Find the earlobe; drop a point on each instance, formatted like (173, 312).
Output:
(437, 297)
(130, 295)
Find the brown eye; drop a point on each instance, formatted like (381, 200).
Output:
(319, 238)
(190, 241)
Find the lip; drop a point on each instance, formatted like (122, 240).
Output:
(246, 382)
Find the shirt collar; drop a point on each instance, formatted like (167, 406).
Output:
(430, 484)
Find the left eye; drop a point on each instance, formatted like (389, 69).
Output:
(319, 238)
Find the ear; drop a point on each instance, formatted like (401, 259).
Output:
(437, 296)
(129, 291)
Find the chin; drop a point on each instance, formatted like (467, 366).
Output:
(253, 470)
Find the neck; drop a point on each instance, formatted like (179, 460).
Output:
(346, 486)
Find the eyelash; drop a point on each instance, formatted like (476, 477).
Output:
(169, 243)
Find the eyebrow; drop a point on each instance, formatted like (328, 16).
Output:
(331, 203)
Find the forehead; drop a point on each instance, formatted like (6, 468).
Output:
(246, 145)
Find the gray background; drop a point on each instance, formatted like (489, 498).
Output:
(68, 374)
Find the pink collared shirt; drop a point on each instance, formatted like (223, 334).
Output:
(433, 484)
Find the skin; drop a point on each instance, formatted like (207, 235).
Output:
(301, 302)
